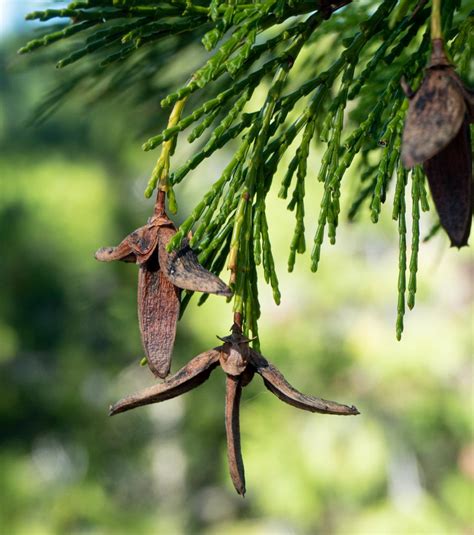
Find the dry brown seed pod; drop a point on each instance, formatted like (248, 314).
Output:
(450, 178)
(436, 110)
(437, 135)
(161, 277)
(240, 364)
(158, 299)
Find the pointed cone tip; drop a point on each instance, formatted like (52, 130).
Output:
(117, 408)
(239, 488)
(102, 253)
(98, 253)
(345, 410)
(161, 374)
(226, 293)
(459, 245)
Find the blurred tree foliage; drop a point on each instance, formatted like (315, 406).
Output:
(69, 342)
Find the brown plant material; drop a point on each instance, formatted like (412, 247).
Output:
(240, 363)
(450, 178)
(183, 269)
(190, 376)
(158, 312)
(233, 393)
(436, 134)
(161, 277)
(436, 110)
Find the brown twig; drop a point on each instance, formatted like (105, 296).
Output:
(160, 209)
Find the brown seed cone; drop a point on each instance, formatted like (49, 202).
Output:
(436, 111)
(450, 178)
(161, 277)
(239, 362)
(437, 135)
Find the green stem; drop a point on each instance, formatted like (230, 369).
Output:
(436, 32)
(160, 174)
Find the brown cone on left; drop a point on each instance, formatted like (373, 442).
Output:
(161, 277)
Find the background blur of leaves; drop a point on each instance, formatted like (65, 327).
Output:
(69, 346)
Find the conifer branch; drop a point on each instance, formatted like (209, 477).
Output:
(348, 101)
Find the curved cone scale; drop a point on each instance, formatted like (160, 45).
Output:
(143, 242)
(158, 311)
(450, 178)
(139, 245)
(122, 252)
(435, 115)
(136, 247)
(183, 269)
(190, 376)
(277, 384)
(233, 393)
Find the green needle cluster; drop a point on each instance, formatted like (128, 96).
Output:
(344, 98)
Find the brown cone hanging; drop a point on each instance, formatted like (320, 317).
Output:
(436, 134)
(161, 277)
(240, 363)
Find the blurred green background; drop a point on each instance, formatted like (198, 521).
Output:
(69, 346)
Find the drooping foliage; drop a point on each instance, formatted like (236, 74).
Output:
(331, 74)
